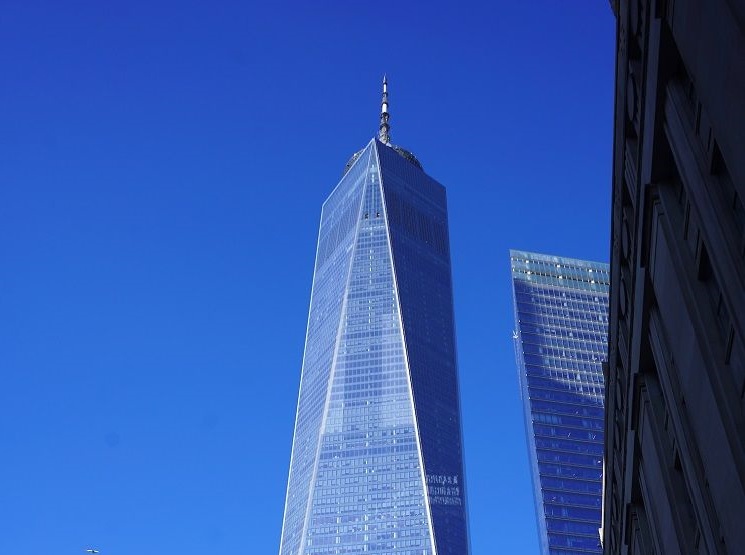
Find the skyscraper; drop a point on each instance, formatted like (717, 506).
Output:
(377, 458)
(561, 334)
(675, 451)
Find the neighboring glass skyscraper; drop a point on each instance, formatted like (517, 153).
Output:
(561, 336)
(377, 457)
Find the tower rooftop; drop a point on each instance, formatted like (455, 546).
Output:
(384, 134)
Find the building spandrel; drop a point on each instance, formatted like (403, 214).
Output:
(561, 334)
(376, 462)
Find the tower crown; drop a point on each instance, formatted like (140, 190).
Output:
(384, 133)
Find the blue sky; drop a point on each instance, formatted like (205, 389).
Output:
(162, 168)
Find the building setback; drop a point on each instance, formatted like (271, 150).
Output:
(561, 336)
(675, 395)
(377, 458)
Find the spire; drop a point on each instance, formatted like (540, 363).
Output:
(384, 134)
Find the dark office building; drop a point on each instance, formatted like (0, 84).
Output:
(674, 476)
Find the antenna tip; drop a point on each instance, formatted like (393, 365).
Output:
(384, 133)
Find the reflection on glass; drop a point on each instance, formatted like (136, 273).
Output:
(561, 320)
(377, 456)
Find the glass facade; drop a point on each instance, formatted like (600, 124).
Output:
(561, 336)
(377, 457)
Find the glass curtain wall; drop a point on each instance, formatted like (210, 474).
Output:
(377, 457)
(561, 334)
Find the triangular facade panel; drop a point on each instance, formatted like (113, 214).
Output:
(417, 217)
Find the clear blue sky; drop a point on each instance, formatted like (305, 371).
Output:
(162, 168)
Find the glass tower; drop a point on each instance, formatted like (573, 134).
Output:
(377, 458)
(561, 335)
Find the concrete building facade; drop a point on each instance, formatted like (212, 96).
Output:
(674, 471)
